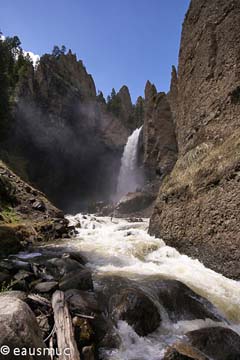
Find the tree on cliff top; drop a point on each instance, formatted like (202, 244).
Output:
(114, 103)
(56, 52)
(100, 97)
(13, 63)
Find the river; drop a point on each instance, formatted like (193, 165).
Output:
(119, 247)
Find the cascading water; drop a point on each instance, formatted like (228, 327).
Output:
(117, 247)
(129, 176)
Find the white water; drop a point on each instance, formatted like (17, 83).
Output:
(129, 176)
(118, 247)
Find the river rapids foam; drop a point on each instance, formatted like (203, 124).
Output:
(123, 248)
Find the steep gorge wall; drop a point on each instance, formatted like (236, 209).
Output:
(71, 143)
(197, 210)
(208, 73)
(159, 140)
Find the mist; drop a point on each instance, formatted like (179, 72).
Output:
(66, 156)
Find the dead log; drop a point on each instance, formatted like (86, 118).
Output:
(85, 316)
(64, 328)
(40, 300)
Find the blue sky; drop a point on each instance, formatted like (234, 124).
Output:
(120, 42)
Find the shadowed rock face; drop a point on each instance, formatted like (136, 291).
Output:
(71, 143)
(197, 207)
(159, 140)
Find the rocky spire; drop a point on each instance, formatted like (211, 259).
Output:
(173, 93)
(126, 101)
(150, 90)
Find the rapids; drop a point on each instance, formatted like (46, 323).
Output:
(119, 247)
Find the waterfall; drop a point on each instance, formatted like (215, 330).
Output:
(129, 176)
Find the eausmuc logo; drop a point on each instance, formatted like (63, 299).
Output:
(5, 350)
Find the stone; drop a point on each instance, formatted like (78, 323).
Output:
(134, 202)
(181, 303)
(18, 327)
(46, 287)
(216, 343)
(9, 240)
(77, 279)
(59, 267)
(83, 302)
(77, 256)
(21, 295)
(86, 303)
(20, 265)
(39, 205)
(4, 277)
(88, 353)
(134, 307)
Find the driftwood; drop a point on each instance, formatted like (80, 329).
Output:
(64, 328)
(85, 316)
(39, 299)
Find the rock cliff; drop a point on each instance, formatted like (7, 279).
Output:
(159, 140)
(197, 210)
(71, 143)
(26, 216)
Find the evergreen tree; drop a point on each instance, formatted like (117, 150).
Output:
(56, 52)
(63, 49)
(12, 66)
(100, 97)
(114, 103)
(113, 94)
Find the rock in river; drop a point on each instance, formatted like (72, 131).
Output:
(133, 306)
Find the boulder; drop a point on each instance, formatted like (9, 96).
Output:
(46, 287)
(181, 303)
(9, 239)
(18, 328)
(83, 302)
(216, 343)
(21, 295)
(59, 267)
(76, 279)
(134, 307)
(86, 303)
(77, 256)
(134, 202)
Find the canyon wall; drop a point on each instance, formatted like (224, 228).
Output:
(70, 141)
(197, 210)
(159, 140)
